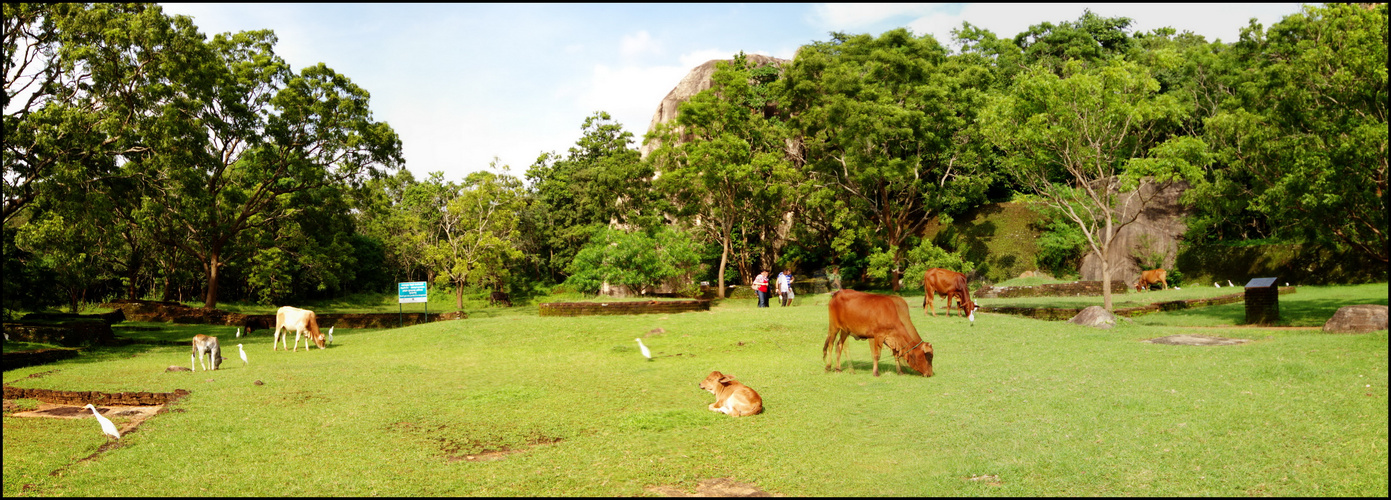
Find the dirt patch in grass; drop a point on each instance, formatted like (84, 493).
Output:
(489, 452)
(715, 487)
(1187, 339)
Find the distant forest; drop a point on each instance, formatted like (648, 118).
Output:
(143, 159)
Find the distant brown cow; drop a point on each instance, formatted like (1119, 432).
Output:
(1151, 277)
(500, 298)
(949, 284)
(883, 320)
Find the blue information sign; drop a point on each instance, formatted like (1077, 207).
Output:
(411, 291)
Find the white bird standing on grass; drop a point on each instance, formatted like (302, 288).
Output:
(244, 362)
(1229, 283)
(330, 335)
(646, 353)
(1216, 285)
(106, 425)
(238, 334)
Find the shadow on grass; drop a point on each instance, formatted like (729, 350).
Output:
(1293, 312)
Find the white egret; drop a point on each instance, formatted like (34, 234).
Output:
(244, 362)
(106, 425)
(239, 333)
(330, 334)
(1216, 285)
(646, 353)
(1229, 283)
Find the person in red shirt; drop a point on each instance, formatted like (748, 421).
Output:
(760, 285)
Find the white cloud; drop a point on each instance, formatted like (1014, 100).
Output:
(639, 43)
(630, 94)
(860, 15)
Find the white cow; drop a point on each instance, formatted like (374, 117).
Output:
(302, 321)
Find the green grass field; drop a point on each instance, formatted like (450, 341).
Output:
(567, 406)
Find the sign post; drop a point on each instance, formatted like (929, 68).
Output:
(410, 291)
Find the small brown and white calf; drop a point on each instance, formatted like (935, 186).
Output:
(205, 344)
(731, 397)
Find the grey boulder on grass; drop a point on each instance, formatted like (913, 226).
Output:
(1361, 318)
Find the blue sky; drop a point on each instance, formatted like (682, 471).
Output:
(464, 83)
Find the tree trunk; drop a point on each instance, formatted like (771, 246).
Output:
(210, 299)
(1103, 247)
(724, 259)
(458, 296)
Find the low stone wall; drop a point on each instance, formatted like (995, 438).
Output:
(1073, 289)
(95, 397)
(20, 359)
(1062, 313)
(173, 312)
(70, 333)
(614, 308)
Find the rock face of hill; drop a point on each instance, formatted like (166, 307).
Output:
(694, 82)
(1157, 230)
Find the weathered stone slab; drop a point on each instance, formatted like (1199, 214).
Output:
(1186, 339)
(1360, 318)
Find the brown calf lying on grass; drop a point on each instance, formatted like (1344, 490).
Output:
(731, 397)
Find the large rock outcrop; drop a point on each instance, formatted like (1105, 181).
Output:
(694, 82)
(1156, 230)
(1360, 318)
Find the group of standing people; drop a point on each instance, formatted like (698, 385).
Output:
(783, 284)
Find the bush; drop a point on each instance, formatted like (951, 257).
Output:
(637, 260)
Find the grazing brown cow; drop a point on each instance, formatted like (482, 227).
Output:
(883, 320)
(1151, 277)
(949, 284)
(500, 298)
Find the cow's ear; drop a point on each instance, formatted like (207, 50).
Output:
(724, 379)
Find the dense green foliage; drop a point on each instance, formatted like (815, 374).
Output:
(143, 158)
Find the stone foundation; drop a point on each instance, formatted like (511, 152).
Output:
(70, 333)
(616, 308)
(1053, 314)
(21, 359)
(173, 312)
(1074, 289)
(95, 397)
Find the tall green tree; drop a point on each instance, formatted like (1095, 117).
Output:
(723, 165)
(478, 231)
(599, 181)
(886, 127)
(1083, 141)
(1303, 141)
(250, 136)
(80, 79)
